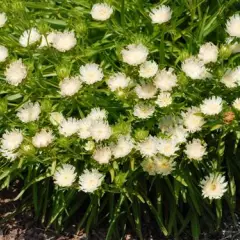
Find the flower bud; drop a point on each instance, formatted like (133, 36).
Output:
(56, 118)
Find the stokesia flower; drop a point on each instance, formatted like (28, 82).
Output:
(15, 72)
(148, 69)
(69, 126)
(163, 165)
(233, 26)
(70, 86)
(10, 155)
(102, 155)
(211, 106)
(3, 19)
(213, 186)
(164, 99)
(3, 53)
(194, 68)
(165, 79)
(236, 104)
(90, 181)
(64, 41)
(195, 150)
(179, 134)
(118, 81)
(11, 140)
(42, 138)
(101, 11)
(167, 147)
(97, 114)
(123, 147)
(192, 120)
(145, 91)
(148, 147)
(160, 14)
(134, 54)
(84, 128)
(91, 73)
(65, 176)
(29, 112)
(29, 37)
(143, 111)
(229, 79)
(56, 118)
(100, 130)
(148, 166)
(208, 53)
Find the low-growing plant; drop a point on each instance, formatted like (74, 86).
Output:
(119, 113)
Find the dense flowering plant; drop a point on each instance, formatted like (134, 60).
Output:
(114, 111)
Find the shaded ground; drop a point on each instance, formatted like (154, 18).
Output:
(22, 226)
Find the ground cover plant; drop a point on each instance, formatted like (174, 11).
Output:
(115, 112)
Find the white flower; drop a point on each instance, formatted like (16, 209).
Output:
(194, 68)
(164, 99)
(148, 147)
(3, 53)
(3, 19)
(145, 91)
(29, 112)
(118, 81)
(167, 147)
(163, 166)
(165, 79)
(91, 73)
(29, 37)
(161, 14)
(90, 181)
(213, 186)
(179, 134)
(192, 120)
(148, 69)
(236, 104)
(70, 86)
(100, 130)
(56, 118)
(148, 166)
(211, 106)
(143, 111)
(11, 140)
(64, 41)
(84, 128)
(47, 40)
(42, 138)
(15, 72)
(208, 53)
(123, 147)
(134, 54)
(235, 47)
(69, 126)
(101, 11)
(102, 155)
(65, 176)
(195, 150)
(236, 75)
(229, 79)
(232, 26)
(10, 155)
(97, 114)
